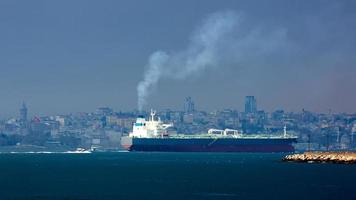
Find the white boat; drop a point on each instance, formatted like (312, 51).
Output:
(79, 150)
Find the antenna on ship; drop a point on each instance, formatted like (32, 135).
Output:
(285, 131)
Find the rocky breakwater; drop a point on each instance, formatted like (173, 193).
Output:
(324, 157)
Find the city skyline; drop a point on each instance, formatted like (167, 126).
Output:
(188, 106)
(105, 125)
(96, 54)
(177, 99)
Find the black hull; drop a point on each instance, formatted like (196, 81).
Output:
(208, 145)
(196, 148)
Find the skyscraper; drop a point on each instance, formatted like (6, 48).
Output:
(23, 115)
(250, 104)
(189, 105)
(23, 112)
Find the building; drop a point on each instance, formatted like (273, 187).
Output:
(23, 115)
(250, 104)
(104, 111)
(124, 122)
(61, 120)
(188, 118)
(189, 105)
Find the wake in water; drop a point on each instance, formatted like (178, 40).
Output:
(45, 152)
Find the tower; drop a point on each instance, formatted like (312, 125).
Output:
(23, 115)
(250, 104)
(23, 112)
(189, 105)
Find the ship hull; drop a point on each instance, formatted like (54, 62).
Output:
(209, 144)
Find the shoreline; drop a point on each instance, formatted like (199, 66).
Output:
(343, 157)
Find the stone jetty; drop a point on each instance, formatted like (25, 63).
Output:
(323, 157)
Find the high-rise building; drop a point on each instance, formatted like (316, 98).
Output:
(23, 115)
(250, 104)
(23, 112)
(189, 105)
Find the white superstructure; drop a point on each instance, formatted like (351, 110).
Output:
(149, 129)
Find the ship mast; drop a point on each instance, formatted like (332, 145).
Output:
(153, 113)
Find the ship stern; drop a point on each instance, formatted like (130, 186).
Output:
(126, 142)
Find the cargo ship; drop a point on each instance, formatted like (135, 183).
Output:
(152, 135)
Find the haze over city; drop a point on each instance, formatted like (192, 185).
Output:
(71, 56)
(177, 99)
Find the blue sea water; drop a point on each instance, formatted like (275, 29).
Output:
(133, 175)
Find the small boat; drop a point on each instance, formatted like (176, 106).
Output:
(79, 150)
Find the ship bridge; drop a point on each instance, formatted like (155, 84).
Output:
(149, 128)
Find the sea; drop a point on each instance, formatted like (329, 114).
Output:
(151, 175)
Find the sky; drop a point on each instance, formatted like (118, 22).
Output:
(75, 56)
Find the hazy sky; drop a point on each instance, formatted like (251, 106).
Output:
(69, 56)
